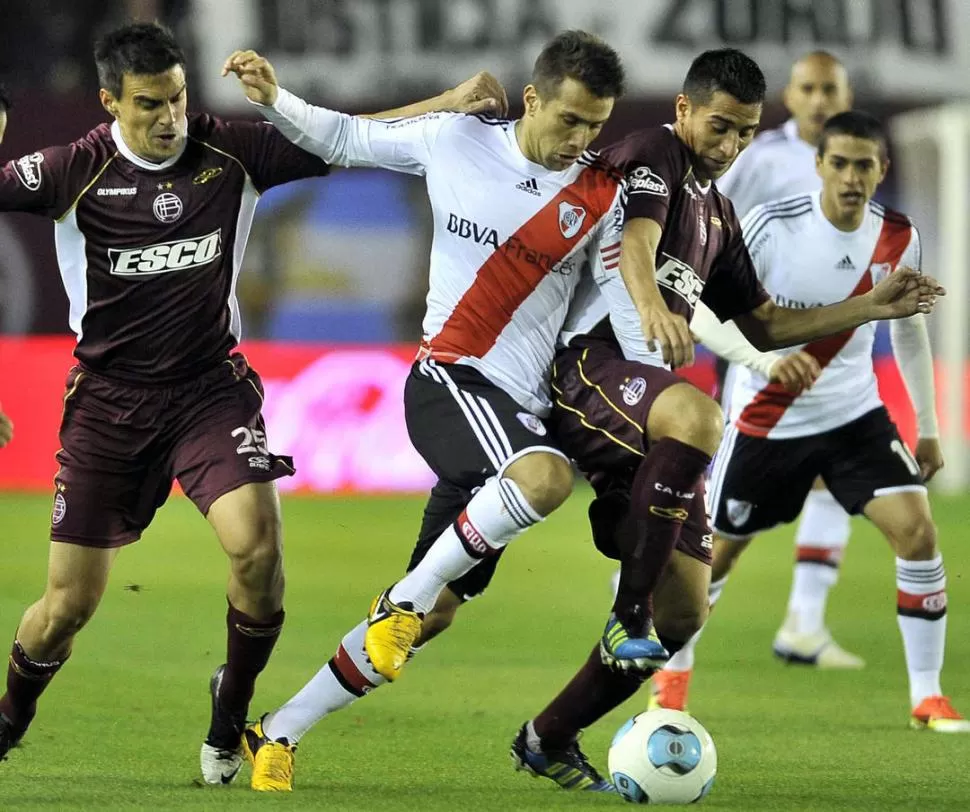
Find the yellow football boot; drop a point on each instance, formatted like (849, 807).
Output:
(272, 761)
(391, 631)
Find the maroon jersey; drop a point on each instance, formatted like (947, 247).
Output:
(701, 253)
(150, 253)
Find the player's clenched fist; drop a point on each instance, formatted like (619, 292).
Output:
(483, 93)
(256, 74)
(796, 372)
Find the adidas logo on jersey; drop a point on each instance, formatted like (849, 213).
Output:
(845, 264)
(529, 186)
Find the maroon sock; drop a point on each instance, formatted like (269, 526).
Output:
(26, 681)
(250, 643)
(591, 694)
(663, 489)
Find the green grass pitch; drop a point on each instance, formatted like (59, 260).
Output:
(121, 726)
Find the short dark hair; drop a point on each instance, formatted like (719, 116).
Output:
(728, 70)
(138, 48)
(858, 124)
(5, 103)
(583, 57)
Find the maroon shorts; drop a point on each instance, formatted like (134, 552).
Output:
(123, 445)
(600, 406)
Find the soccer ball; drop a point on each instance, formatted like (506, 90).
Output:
(663, 757)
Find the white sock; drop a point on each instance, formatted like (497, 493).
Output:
(495, 515)
(343, 680)
(683, 660)
(921, 613)
(823, 532)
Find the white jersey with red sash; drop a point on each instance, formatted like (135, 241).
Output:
(511, 237)
(804, 261)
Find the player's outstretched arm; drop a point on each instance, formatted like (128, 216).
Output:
(638, 267)
(482, 93)
(914, 356)
(795, 372)
(338, 138)
(901, 294)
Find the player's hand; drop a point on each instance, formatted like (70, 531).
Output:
(6, 430)
(929, 456)
(483, 93)
(796, 372)
(671, 333)
(905, 292)
(256, 74)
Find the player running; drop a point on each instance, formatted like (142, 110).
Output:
(518, 207)
(152, 214)
(642, 434)
(821, 248)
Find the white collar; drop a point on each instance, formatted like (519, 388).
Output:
(141, 163)
(829, 226)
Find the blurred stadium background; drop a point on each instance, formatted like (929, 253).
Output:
(336, 268)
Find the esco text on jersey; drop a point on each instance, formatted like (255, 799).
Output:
(165, 257)
(680, 278)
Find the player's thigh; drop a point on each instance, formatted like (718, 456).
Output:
(219, 444)
(111, 478)
(601, 406)
(757, 483)
(866, 459)
(466, 428)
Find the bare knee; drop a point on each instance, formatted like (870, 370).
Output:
(545, 479)
(257, 561)
(684, 413)
(914, 538)
(62, 614)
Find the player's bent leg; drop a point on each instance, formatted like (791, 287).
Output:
(548, 746)
(529, 486)
(544, 479)
(683, 430)
(670, 686)
(247, 522)
(681, 607)
(270, 744)
(76, 579)
(905, 520)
